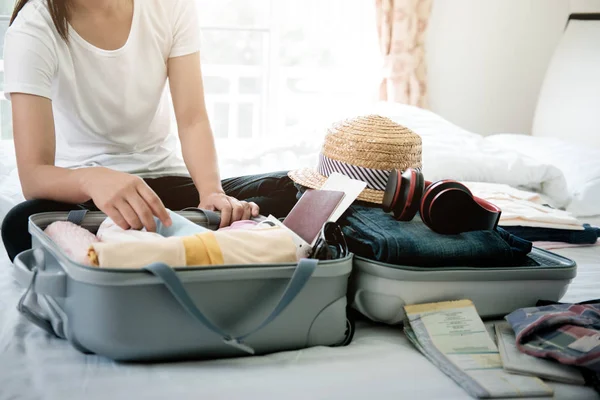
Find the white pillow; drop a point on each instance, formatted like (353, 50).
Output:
(580, 166)
(451, 152)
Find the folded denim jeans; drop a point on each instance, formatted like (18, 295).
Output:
(376, 235)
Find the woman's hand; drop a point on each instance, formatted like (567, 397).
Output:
(231, 208)
(125, 198)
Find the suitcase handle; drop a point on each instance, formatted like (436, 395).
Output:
(212, 218)
(31, 274)
(169, 278)
(30, 271)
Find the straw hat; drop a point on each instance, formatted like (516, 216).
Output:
(366, 148)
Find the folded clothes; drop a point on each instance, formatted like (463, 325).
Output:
(589, 234)
(245, 224)
(560, 245)
(180, 226)
(568, 333)
(374, 234)
(72, 239)
(268, 245)
(521, 208)
(110, 232)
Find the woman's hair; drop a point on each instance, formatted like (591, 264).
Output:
(59, 10)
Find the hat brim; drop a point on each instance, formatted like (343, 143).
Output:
(310, 178)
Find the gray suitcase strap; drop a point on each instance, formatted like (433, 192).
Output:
(169, 278)
(30, 314)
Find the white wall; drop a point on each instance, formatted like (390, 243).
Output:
(585, 6)
(487, 59)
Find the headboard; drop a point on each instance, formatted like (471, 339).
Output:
(569, 102)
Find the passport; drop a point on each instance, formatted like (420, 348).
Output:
(311, 212)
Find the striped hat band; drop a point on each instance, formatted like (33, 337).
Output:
(375, 179)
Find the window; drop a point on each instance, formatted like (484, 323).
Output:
(273, 69)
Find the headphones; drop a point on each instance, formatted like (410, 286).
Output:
(446, 206)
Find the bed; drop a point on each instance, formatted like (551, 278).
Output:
(380, 362)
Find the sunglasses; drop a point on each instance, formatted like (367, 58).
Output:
(331, 243)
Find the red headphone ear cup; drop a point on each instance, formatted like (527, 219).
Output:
(414, 196)
(390, 194)
(432, 192)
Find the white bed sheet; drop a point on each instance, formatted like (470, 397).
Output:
(380, 363)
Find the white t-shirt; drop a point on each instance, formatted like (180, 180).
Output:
(111, 108)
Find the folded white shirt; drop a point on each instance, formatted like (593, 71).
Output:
(522, 208)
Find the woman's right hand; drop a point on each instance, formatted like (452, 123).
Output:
(125, 198)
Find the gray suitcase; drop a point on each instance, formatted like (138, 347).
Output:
(162, 313)
(380, 291)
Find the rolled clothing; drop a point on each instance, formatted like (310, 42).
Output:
(589, 234)
(376, 235)
(269, 245)
(72, 239)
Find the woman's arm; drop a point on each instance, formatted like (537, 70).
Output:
(34, 138)
(197, 142)
(192, 120)
(125, 198)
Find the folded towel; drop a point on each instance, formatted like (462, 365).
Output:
(268, 245)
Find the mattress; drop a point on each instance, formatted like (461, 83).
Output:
(379, 363)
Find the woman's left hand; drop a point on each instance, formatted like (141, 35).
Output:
(231, 209)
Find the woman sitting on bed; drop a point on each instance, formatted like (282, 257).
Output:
(91, 117)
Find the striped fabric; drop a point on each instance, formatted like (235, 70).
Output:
(553, 331)
(375, 179)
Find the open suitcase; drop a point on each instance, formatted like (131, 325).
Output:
(380, 291)
(163, 313)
